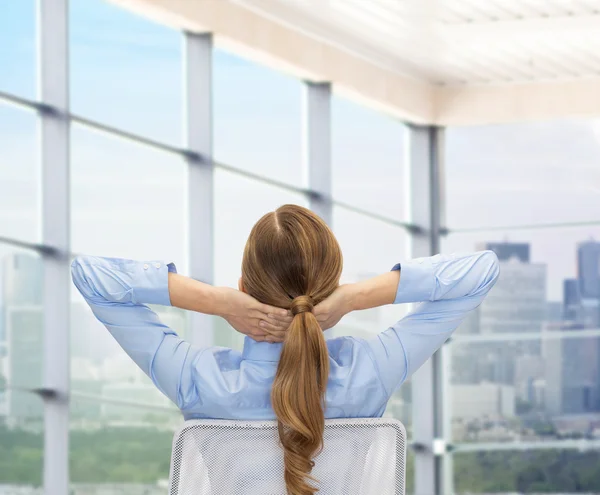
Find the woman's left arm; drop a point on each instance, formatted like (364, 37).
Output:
(118, 290)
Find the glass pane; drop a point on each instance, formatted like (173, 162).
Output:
(239, 204)
(520, 174)
(410, 473)
(527, 391)
(257, 119)
(370, 247)
(400, 406)
(368, 159)
(127, 200)
(536, 267)
(20, 213)
(21, 441)
(118, 449)
(17, 48)
(21, 323)
(531, 471)
(125, 70)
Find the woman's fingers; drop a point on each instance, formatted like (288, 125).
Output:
(273, 328)
(281, 322)
(268, 336)
(272, 311)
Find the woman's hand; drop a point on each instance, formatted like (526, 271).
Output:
(330, 311)
(261, 322)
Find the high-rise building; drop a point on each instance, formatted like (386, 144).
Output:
(571, 370)
(516, 305)
(571, 300)
(588, 269)
(518, 302)
(509, 250)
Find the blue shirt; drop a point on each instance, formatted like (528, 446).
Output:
(217, 382)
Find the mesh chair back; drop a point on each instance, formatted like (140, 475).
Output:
(217, 457)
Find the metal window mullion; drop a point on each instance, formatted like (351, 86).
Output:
(419, 213)
(54, 133)
(199, 141)
(427, 388)
(317, 147)
(441, 360)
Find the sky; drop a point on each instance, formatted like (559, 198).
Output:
(130, 201)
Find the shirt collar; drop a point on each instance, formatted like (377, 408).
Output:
(260, 351)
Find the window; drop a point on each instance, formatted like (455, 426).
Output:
(257, 119)
(127, 200)
(125, 71)
(368, 159)
(522, 174)
(17, 48)
(20, 213)
(524, 365)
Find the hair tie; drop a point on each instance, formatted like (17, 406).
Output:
(302, 304)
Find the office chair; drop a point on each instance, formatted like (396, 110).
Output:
(219, 457)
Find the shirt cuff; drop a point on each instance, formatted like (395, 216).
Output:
(151, 282)
(417, 281)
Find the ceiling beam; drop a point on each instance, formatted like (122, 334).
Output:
(472, 105)
(287, 49)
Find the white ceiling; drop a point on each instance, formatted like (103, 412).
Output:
(455, 42)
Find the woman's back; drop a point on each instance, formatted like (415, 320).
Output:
(237, 385)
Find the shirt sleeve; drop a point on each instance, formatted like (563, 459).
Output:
(117, 291)
(448, 288)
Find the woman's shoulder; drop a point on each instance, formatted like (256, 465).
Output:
(343, 348)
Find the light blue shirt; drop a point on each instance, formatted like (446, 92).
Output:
(217, 382)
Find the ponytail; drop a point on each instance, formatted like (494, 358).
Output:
(298, 395)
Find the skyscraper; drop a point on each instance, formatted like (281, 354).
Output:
(518, 301)
(510, 250)
(571, 299)
(571, 370)
(588, 269)
(516, 305)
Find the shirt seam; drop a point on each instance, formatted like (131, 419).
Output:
(197, 358)
(376, 366)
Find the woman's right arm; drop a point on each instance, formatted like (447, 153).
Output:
(449, 287)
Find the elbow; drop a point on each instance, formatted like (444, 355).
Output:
(78, 268)
(76, 275)
(493, 268)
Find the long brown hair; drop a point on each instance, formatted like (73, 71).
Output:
(292, 260)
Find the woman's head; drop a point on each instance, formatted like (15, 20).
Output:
(292, 260)
(291, 252)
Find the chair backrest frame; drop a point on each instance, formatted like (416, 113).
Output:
(331, 425)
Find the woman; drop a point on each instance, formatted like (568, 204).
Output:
(289, 292)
